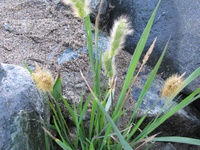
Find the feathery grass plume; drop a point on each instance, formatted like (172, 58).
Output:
(80, 7)
(109, 66)
(43, 79)
(147, 55)
(120, 30)
(172, 84)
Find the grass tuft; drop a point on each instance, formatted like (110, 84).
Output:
(103, 132)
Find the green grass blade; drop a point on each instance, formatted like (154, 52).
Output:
(75, 121)
(63, 145)
(87, 24)
(109, 128)
(58, 130)
(48, 143)
(83, 111)
(57, 89)
(92, 118)
(80, 104)
(91, 146)
(194, 75)
(97, 75)
(69, 108)
(27, 67)
(98, 61)
(60, 119)
(136, 127)
(135, 59)
(178, 140)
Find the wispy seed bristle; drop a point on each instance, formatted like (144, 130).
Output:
(172, 84)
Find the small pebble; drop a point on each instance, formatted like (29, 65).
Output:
(7, 26)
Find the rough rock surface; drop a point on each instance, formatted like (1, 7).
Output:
(23, 110)
(178, 19)
(105, 12)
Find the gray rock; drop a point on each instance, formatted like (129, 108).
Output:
(69, 54)
(94, 5)
(7, 26)
(105, 11)
(178, 19)
(56, 1)
(23, 110)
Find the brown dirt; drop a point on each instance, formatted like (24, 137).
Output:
(37, 31)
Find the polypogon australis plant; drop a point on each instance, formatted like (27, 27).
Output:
(103, 132)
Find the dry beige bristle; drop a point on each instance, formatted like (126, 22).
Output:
(43, 79)
(172, 84)
(146, 57)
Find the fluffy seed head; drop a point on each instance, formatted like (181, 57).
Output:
(43, 79)
(120, 30)
(172, 84)
(80, 7)
(109, 65)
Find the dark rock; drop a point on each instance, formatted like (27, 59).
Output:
(23, 110)
(105, 11)
(178, 19)
(94, 5)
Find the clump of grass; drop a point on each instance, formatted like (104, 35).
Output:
(103, 132)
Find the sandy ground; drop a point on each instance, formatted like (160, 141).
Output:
(37, 31)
